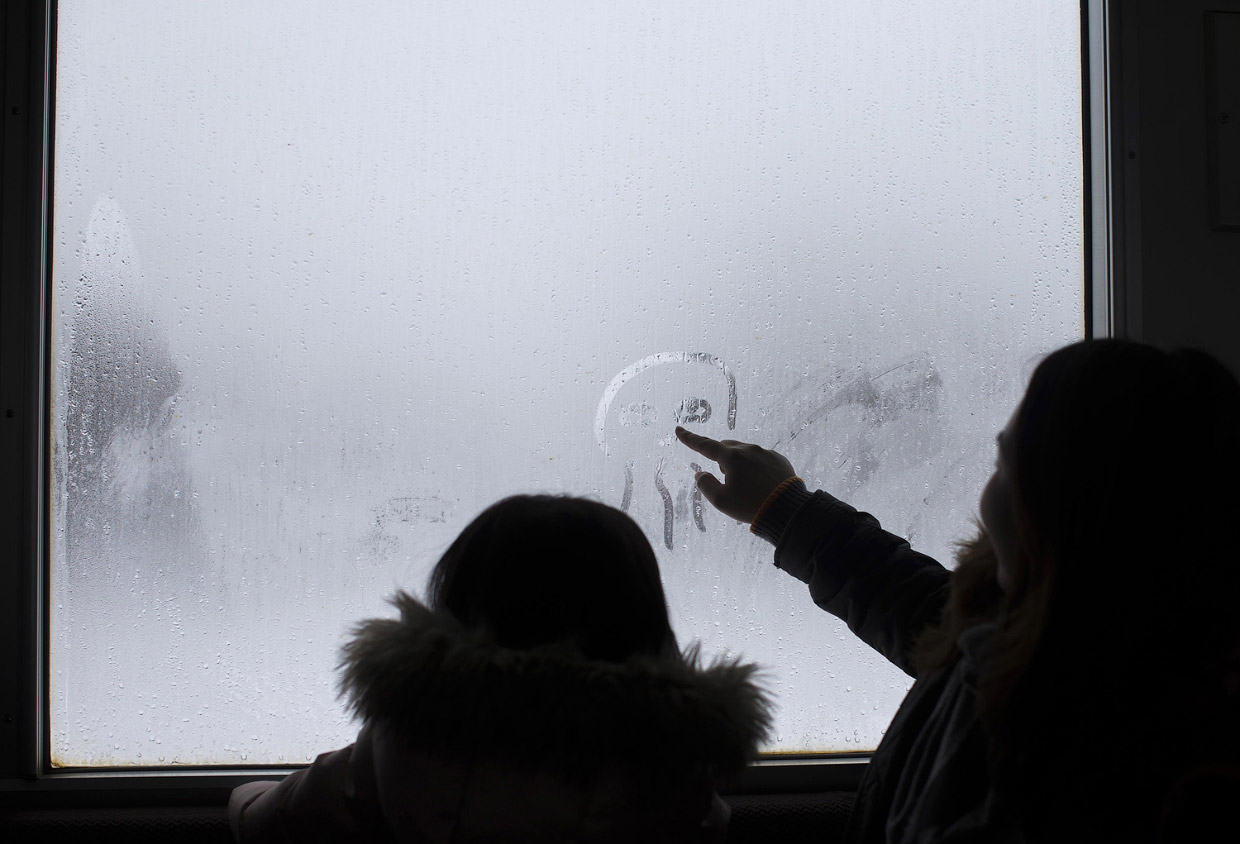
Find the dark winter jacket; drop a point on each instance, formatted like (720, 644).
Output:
(465, 741)
(927, 780)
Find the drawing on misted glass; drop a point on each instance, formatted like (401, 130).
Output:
(330, 278)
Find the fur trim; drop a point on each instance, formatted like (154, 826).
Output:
(440, 686)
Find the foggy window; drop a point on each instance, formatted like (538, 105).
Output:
(329, 278)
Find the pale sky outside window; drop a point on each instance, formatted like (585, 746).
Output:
(329, 278)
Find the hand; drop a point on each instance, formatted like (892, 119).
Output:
(750, 472)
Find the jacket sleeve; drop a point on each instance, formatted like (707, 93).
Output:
(335, 799)
(714, 827)
(885, 591)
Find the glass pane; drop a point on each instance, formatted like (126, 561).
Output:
(331, 277)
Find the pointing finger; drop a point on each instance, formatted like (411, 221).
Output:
(704, 446)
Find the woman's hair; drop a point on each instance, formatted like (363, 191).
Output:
(1121, 609)
(542, 569)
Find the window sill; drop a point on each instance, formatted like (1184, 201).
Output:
(207, 786)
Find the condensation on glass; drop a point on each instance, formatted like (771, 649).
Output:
(330, 278)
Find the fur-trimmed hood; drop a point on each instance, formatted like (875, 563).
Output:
(439, 686)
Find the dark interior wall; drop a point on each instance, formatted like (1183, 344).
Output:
(1190, 274)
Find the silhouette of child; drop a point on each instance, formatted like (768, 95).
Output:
(539, 695)
(1080, 660)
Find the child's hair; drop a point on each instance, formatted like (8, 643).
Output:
(542, 569)
(1120, 614)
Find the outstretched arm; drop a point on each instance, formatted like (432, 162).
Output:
(886, 592)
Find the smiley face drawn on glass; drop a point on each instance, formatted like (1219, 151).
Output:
(635, 420)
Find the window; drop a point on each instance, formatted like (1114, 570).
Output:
(327, 279)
